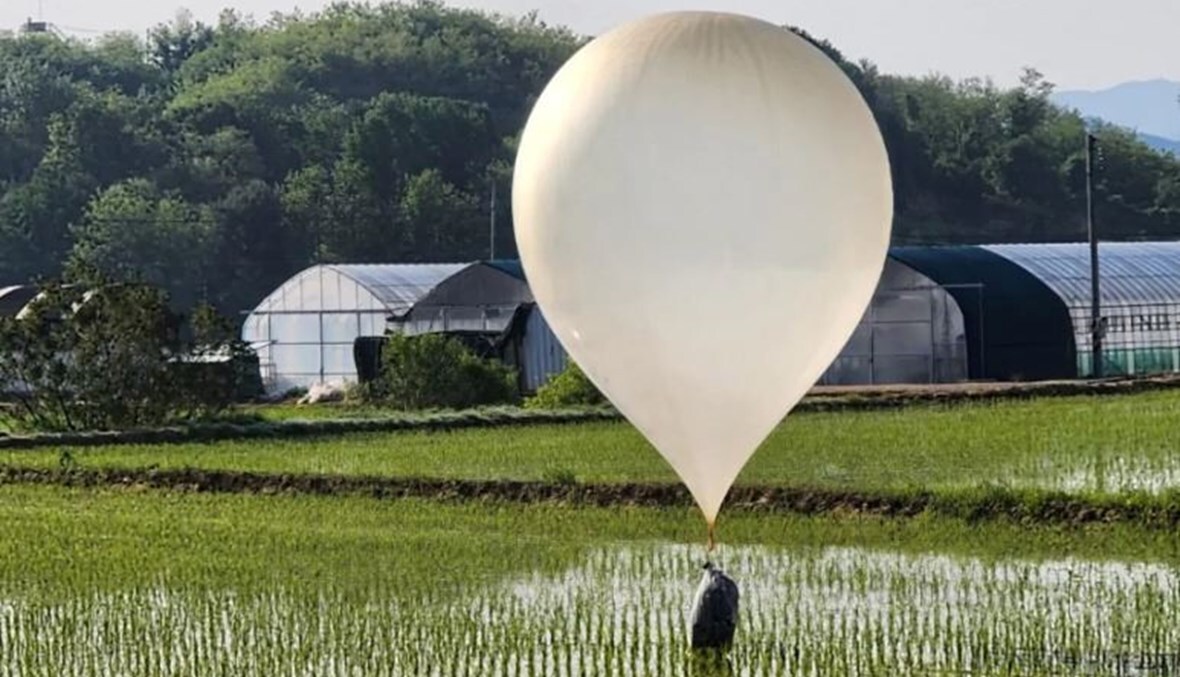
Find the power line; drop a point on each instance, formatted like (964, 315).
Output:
(78, 29)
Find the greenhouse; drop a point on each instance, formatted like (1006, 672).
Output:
(305, 331)
(490, 305)
(14, 299)
(912, 332)
(1015, 327)
(1026, 307)
(1139, 286)
(1016, 312)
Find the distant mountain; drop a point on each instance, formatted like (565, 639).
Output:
(1160, 143)
(1151, 107)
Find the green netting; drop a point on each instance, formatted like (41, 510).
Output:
(1132, 362)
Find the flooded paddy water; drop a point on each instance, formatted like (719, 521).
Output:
(621, 609)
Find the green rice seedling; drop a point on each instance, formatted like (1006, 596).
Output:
(148, 583)
(1081, 445)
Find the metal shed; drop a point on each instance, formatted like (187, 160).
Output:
(304, 332)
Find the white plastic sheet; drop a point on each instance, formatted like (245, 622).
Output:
(702, 204)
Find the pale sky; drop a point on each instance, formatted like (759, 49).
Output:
(1078, 44)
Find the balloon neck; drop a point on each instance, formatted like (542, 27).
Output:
(711, 540)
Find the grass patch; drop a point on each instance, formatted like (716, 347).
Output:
(288, 411)
(1026, 506)
(1079, 445)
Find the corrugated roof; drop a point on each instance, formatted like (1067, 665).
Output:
(399, 286)
(1130, 273)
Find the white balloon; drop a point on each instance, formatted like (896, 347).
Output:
(702, 205)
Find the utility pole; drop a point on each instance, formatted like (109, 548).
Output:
(492, 227)
(1096, 327)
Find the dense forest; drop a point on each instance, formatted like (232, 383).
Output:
(215, 161)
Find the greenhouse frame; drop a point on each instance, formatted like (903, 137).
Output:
(1027, 309)
(14, 299)
(1014, 312)
(306, 331)
(1139, 284)
(912, 332)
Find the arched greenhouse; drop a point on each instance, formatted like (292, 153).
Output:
(940, 314)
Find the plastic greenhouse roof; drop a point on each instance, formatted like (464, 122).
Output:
(1129, 273)
(511, 267)
(14, 299)
(1015, 323)
(399, 286)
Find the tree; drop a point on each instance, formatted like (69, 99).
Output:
(121, 62)
(204, 167)
(113, 136)
(401, 135)
(171, 45)
(110, 356)
(133, 232)
(434, 371)
(217, 160)
(358, 226)
(36, 217)
(570, 388)
(440, 221)
(248, 244)
(304, 199)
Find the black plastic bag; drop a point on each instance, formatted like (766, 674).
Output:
(714, 617)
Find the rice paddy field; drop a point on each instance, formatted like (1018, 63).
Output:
(1072, 444)
(131, 580)
(118, 582)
